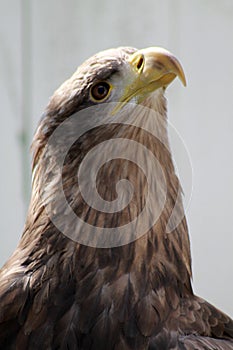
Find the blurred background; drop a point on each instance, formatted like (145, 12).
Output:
(41, 45)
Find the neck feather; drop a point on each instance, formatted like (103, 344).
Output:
(162, 257)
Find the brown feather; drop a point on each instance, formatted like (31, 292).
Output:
(56, 293)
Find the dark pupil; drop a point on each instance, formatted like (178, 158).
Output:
(101, 90)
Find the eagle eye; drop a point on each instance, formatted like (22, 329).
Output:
(100, 91)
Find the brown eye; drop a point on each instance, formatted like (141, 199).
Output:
(100, 91)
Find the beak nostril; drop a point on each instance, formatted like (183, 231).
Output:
(140, 62)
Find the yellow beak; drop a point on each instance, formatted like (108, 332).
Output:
(151, 69)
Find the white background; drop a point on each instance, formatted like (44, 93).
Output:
(43, 42)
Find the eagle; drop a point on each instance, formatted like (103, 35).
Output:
(104, 260)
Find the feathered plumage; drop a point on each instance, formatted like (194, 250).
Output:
(58, 293)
